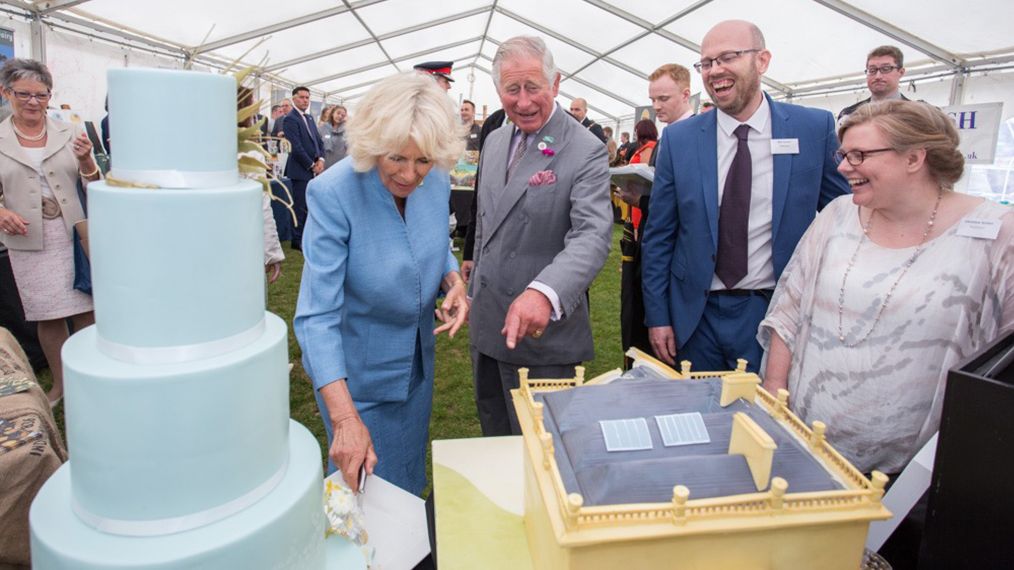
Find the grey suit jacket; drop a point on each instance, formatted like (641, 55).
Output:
(558, 234)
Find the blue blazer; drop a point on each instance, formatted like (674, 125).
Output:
(681, 235)
(370, 281)
(307, 146)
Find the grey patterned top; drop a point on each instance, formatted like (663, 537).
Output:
(881, 400)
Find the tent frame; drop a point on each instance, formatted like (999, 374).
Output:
(64, 14)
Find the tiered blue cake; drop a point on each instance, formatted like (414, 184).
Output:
(177, 401)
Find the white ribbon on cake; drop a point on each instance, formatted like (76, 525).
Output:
(185, 179)
(171, 525)
(179, 353)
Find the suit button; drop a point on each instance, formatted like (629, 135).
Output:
(64, 201)
(57, 186)
(513, 254)
(510, 291)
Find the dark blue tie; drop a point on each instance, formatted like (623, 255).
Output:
(311, 126)
(734, 215)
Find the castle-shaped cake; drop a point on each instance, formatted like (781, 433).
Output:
(182, 453)
(665, 469)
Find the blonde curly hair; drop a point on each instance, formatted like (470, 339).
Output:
(401, 107)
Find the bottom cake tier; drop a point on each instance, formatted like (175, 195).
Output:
(285, 529)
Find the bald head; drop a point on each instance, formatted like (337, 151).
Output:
(747, 31)
(579, 108)
(733, 59)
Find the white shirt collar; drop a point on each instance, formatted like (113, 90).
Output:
(896, 96)
(758, 121)
(687, 115)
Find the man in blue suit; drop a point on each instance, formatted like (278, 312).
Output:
(734, 191)
(306, 159)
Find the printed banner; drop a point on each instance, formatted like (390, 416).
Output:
(6, 45)
(979, 127)
(6, 52)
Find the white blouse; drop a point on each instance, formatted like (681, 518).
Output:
(881, 400)
(35, 155)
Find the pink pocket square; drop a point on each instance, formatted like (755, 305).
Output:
(542, 178)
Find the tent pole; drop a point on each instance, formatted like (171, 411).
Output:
(38, 39)
(958, 86)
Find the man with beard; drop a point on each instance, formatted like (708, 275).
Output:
(884, 68)
(734, 191)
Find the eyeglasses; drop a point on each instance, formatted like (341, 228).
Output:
(882, 70)
(25, 96)
(723, 58)
(856, 157)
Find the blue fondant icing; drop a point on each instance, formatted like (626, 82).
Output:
(203, 435)
(176, 267)
(162, 119)
(176, 428)
(284, 530)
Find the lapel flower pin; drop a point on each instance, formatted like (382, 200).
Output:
(543, 145)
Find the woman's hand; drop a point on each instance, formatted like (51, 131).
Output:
(274, 271)
(82, 149)
(86, 166)
(351, 447)
(12, 224)
(453, 312)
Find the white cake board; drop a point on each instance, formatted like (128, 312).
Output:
(395, 523)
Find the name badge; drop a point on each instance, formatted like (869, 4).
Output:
(979, 228)
(784, 146)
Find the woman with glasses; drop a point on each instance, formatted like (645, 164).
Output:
(889, 288)
(42, 161)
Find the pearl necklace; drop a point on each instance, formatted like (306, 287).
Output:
(33, 138)
(887, 298)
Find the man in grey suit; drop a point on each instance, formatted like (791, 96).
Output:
(543, 232)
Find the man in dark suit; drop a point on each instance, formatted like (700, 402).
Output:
(734, 191)
(542, 234)
(885, 67)
(306, 159)
(669, 92)
(579, 108)
(493, 122)
(284, 108)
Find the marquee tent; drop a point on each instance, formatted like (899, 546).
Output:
(956, 51)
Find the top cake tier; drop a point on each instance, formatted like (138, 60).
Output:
(173, 129)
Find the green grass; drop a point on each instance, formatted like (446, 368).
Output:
(454, 414)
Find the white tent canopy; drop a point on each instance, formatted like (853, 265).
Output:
(955, 51)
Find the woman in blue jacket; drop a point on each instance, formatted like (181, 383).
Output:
(376, 257)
